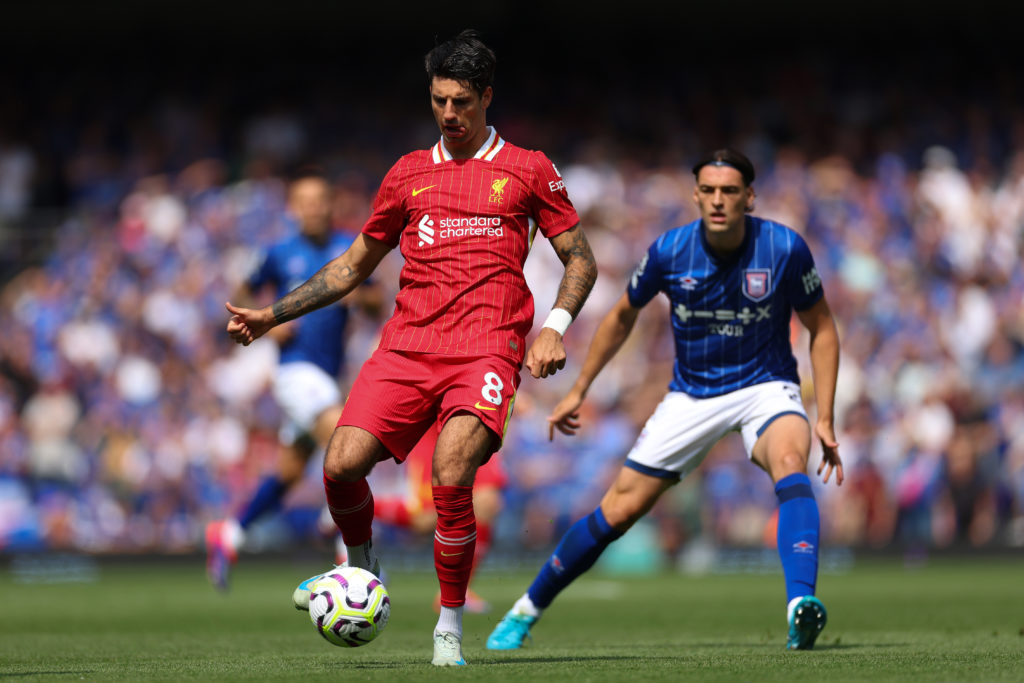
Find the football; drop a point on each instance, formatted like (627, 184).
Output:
(349, 606)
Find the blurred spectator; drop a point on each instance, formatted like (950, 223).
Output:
(124, 415)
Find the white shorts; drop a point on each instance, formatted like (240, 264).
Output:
(303, 390)
(683, 429)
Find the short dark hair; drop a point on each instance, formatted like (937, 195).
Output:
(464, 58)
(308, 172)
(727, 157)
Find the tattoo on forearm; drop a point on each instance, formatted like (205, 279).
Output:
(329, 284)
(580, 272)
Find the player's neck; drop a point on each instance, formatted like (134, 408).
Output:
(317, 238)
(726, 242)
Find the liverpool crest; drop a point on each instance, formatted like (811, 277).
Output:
(498, 190)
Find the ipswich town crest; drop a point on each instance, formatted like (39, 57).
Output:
(757, 283)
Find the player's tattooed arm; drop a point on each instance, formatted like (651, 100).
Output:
(327, 285)
(580, 269)
(333, 281)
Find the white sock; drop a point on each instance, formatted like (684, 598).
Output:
(232, 534)
(340, 551)
(450, 621)
(362, 556)
(524, 605)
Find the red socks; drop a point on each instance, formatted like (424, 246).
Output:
(483, 542)
(351, 506)
(454, 542)
(392, 510)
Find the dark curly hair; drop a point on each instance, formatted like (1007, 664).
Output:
(465, 59)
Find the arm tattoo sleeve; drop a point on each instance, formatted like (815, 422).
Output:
(580, 271)
(329, 284)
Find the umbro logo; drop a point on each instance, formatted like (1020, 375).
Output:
(417, 190)
(803, 547)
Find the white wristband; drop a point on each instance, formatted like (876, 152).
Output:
(558, 320)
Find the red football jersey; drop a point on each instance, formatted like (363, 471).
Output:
(465, 227)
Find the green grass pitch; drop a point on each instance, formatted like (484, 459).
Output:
(952, 620)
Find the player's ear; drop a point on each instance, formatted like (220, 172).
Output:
(750, 199)
(486, 96)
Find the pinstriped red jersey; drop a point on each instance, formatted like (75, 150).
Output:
(465, 227)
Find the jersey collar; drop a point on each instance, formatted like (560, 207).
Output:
(748, 229)
(492, 145)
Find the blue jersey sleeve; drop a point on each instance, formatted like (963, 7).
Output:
(645, 282)
(266, 272)
(802, 281)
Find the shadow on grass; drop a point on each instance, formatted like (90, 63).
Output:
(861, 646)
(693, 652)
(563, 660)
(370, 666)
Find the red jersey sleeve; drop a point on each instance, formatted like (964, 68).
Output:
(552, 209)
(388, 219)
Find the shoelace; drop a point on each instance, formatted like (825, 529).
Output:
(449, 643)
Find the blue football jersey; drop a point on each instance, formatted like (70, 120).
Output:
(730, 317)
(319, 335)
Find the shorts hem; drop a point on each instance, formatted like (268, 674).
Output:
(773, 418)
(652, 471)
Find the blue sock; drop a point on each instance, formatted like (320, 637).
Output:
(798, 534)
(579, 548)
(266, 499)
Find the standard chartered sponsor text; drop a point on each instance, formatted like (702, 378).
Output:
(489, 226)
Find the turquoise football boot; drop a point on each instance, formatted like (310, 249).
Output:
(512, 632)
(807, 621)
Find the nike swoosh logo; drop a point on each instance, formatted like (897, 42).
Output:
(444, 554)
(422, 189)
(480, 407)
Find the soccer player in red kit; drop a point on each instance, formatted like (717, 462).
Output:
(464, 214)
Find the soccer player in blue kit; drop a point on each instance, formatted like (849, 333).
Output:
(311, 357)
(733, 281)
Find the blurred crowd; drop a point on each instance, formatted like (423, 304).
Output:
(128, 419)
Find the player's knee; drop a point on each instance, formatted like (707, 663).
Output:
(453, 470)
(455, 476)
(342, 466)
(785, 463)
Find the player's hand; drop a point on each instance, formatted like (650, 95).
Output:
(830, 459)
(566, 415)
(547, 354)
(246, 324)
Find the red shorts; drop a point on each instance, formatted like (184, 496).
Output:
(399, 395)
(419, 468)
